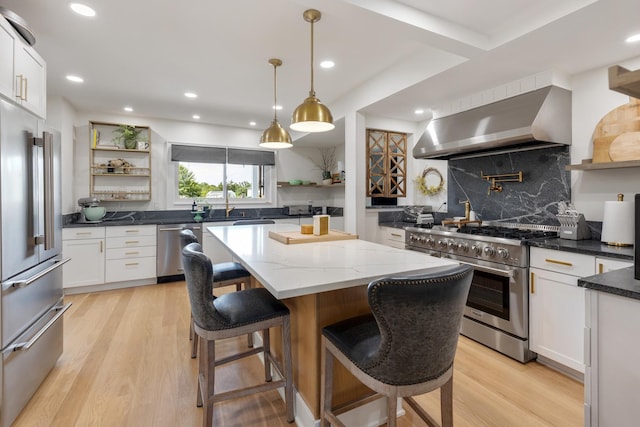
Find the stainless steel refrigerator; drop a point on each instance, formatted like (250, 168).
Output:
(31, 306)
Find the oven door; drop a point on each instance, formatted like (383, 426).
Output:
(498, 296)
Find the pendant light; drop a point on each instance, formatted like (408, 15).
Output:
(312, 115)
(275, 136)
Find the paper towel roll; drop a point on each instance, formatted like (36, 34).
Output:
(618, 223)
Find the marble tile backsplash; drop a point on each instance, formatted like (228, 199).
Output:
(533, 201)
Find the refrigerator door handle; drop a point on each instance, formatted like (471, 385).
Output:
(26, 282)
(48, 238)
(24, 346)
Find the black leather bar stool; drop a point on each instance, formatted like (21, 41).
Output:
(224, 274)
(232, 315)
(405, 347)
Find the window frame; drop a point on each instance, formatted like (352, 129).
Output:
(269, 181)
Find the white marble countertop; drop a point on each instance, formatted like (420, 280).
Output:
(308, 268)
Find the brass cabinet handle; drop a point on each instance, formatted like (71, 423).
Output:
(553, 261)
(131, 264)
(132, 231)
(131, 253)
(532, 284)
(83, 233)
(600, 268)
(130, 242)
(101, 243)
(396, 235)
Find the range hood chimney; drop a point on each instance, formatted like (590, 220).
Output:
(536, 119)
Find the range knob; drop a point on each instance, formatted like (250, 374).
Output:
(476, 249)
(442, 243)
(463, 246)
(431, 241)
(412, 237)
(489, 251)
(452, 244)
(503, 253)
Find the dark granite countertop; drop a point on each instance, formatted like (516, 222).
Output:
(619, 282)
(587, 247)
(185, 217)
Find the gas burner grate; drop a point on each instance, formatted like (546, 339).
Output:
(507, 232)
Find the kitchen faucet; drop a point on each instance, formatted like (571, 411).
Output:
(226, 204)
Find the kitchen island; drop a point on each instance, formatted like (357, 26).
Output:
(321, 283)
(612, 375)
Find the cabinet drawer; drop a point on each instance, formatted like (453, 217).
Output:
(120, 270)
(134, 230)
(131, 253)
(393, 234)
(579, 265)
(83, 233)
(131, 241)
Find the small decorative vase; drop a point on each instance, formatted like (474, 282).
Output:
(326, 175)
(130, 144)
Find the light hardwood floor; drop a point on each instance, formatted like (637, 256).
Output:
(126, 363)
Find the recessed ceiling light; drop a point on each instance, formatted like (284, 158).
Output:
(82, 9)
(327, 64)
(190, 95)
(252, 123)
(419, 111)
(633, 38)
(75, 79)
(195, 116)
(128, 109)
(277, 107)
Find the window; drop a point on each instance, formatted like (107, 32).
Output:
(208, 172)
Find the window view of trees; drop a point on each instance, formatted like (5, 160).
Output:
(189, 187)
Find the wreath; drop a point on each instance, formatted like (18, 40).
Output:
(429, 190)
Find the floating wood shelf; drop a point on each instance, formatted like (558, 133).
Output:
(624, 81)
(586, 165)
(284, 184)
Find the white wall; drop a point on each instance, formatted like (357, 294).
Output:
(74, 127)
(592, 100)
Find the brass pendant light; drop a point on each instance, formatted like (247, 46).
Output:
(275, 136)
(312, 115)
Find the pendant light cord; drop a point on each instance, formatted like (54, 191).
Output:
(275, 94)
(312, 92)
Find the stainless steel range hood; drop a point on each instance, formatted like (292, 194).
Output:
(532, 120)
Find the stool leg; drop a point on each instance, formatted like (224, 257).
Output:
(208, 353)
(191, 331)
(326, 384)
(446, 403)
(266, 345)
(392, 409)
(201, 370)
(288, 368)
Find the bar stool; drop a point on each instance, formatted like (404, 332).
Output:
(232, 315)
(224, 274)
(405, 347)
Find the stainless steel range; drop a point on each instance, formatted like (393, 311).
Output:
(497, 312)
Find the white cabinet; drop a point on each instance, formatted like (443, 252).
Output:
(557, 305)
(607, 264)
(612, 377)
(211, 246)
(31, 80)
(7, 43)
(131, 253)
(392, 236)
(86, 248)
(23, 76)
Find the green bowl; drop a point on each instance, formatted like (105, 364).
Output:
(306, 182)
(295, 182)
(95, 213)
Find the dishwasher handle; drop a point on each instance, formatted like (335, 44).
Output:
(178, 228)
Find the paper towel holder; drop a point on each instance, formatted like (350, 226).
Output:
(604, 239)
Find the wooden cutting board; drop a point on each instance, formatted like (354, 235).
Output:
(621, 120)
(625, 147)
(293, 237)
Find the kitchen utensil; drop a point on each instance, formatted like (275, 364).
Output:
(94, 213)
(573, 226)
(625, 147)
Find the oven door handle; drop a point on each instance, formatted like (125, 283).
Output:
(502, 273)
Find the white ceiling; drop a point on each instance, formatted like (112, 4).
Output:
(391, 56)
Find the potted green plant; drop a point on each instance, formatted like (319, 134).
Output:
(127, 136)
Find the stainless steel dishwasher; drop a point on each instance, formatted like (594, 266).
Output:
(169, 257)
